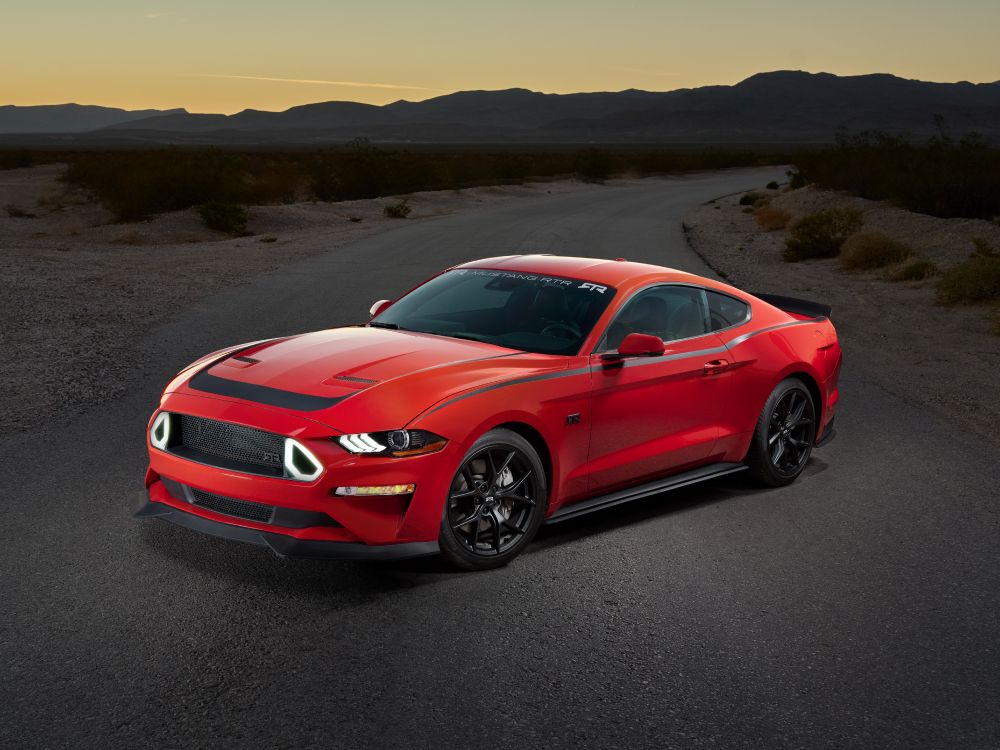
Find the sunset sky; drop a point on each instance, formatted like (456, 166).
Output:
(225, 56)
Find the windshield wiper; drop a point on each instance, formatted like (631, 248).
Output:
(390, 326)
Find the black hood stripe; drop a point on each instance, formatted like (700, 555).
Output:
(261, 394)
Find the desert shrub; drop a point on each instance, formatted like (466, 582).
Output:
(772, 185)
(17, 159)
(976, 279)
(795, 179)
(770, 219)
(136, 183)
(867, 250)
(399, 210)
(224, 217)
(941, 177)
(916, 270)
(16, 212)
(269, 239)
(821, 235)
(749, 199)
(129, 238)
(593, 164)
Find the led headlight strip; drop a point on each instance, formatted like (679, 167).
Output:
(361, 442)
(392, 442)
(300, 462)
(159, 433)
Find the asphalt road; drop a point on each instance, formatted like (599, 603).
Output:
(856, 608)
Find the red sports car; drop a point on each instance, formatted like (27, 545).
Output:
(497, 396)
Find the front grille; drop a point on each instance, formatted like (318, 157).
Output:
(230, 506)
(229, 445)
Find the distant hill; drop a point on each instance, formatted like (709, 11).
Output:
(777, 107)
(69, 118)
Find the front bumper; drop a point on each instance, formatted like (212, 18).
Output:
(304, 515)
(282, 544)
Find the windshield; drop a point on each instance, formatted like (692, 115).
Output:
(524, 311)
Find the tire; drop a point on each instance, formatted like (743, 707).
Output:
(784, 436)
(496, 502)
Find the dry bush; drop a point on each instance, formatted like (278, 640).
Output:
(129, 238)
(398, 210)
(867, 250)
(224, 217)
(977, 279)
(749, 199)
(821, 235)
(917, 270)
(942, 177)
(16, 212)
(771, 219)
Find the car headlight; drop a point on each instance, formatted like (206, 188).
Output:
(159, 432)
(392, 442)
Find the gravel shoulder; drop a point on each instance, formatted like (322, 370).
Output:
(79, 291)
(945, 358)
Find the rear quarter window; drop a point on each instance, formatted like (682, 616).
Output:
(726, 311)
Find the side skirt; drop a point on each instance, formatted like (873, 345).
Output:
(702, 474)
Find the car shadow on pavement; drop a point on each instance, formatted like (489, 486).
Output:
(248, 565)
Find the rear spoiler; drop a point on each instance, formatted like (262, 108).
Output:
(796, 306)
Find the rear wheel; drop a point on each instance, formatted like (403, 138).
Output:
(496, 502)
(783, 439)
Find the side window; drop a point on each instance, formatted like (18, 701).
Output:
(726, 311)
(670, 312)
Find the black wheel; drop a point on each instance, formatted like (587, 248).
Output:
(496, 502)
(784, 435)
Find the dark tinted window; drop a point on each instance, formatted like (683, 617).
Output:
(726, 311)
(522, 311)
(670, 312)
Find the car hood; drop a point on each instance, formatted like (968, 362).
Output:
(360, 379)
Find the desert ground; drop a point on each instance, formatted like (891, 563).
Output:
(945, 358)
(79, 289)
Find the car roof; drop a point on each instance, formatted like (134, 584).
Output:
(616, 273)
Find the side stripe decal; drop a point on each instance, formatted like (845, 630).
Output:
(626, 363)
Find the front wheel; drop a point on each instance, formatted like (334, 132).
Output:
(496, 502)
(783, 439)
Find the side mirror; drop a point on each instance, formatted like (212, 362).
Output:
(379, 307)
(638, 345)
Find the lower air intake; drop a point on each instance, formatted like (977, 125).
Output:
(230, 506)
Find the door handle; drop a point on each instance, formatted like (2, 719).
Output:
(716, 366)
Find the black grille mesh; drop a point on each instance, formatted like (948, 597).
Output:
(232, 441)
(230, 506)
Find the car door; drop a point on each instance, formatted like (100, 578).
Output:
(655, 415)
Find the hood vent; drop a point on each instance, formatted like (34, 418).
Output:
(240, 362)
(352, 379)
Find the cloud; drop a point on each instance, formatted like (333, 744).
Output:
(647, 72)
(352, 84)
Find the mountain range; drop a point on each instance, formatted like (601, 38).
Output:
(776, 107)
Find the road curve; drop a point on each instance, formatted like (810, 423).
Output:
(856, 608)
